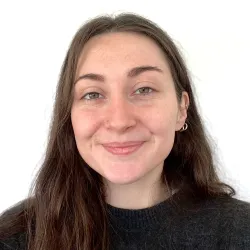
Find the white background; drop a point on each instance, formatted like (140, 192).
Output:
(214, 37)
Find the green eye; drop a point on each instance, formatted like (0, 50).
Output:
(145, 90)
(91, 96)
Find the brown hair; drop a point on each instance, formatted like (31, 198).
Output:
(67, 209)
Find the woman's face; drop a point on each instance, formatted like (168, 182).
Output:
(125, 110)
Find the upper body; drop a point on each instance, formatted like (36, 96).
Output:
(125, 134)
(215, 224)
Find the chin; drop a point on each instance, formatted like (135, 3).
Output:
(122, 179)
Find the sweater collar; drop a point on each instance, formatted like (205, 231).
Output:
(140, 219)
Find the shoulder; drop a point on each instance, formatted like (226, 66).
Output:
(223, 206)
(15, 242)
(12, 235)
(232, 217)
(13, 210)
(233, 209)
(227, 210)
(237, 213)
(222, 220)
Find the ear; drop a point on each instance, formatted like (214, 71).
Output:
(182, 111)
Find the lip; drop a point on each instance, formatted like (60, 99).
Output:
(124, 148)
(122, 144)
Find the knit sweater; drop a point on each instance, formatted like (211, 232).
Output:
(219, 223)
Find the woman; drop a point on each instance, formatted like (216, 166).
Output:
(128, 163)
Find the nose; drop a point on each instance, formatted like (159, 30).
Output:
(120, 114)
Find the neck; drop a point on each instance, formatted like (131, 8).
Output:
(142, 193)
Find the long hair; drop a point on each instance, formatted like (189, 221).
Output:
(66, 208)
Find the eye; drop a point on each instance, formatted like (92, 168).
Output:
(144, 90)
(91, 96)
(95, 95)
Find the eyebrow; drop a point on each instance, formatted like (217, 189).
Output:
(131, 74)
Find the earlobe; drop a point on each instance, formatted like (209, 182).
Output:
(180, 124)
(185, 126)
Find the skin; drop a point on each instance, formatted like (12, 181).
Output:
(118, 111)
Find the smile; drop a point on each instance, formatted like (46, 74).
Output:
(126, 150)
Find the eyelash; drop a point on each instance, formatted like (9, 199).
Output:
(152, 90)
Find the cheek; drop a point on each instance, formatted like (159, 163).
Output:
(84, 123)
(161, 121)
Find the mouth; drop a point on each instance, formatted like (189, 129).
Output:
(123, 150)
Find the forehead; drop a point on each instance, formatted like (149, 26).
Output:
(114, 51)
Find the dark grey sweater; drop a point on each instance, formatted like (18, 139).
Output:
(221, 223)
